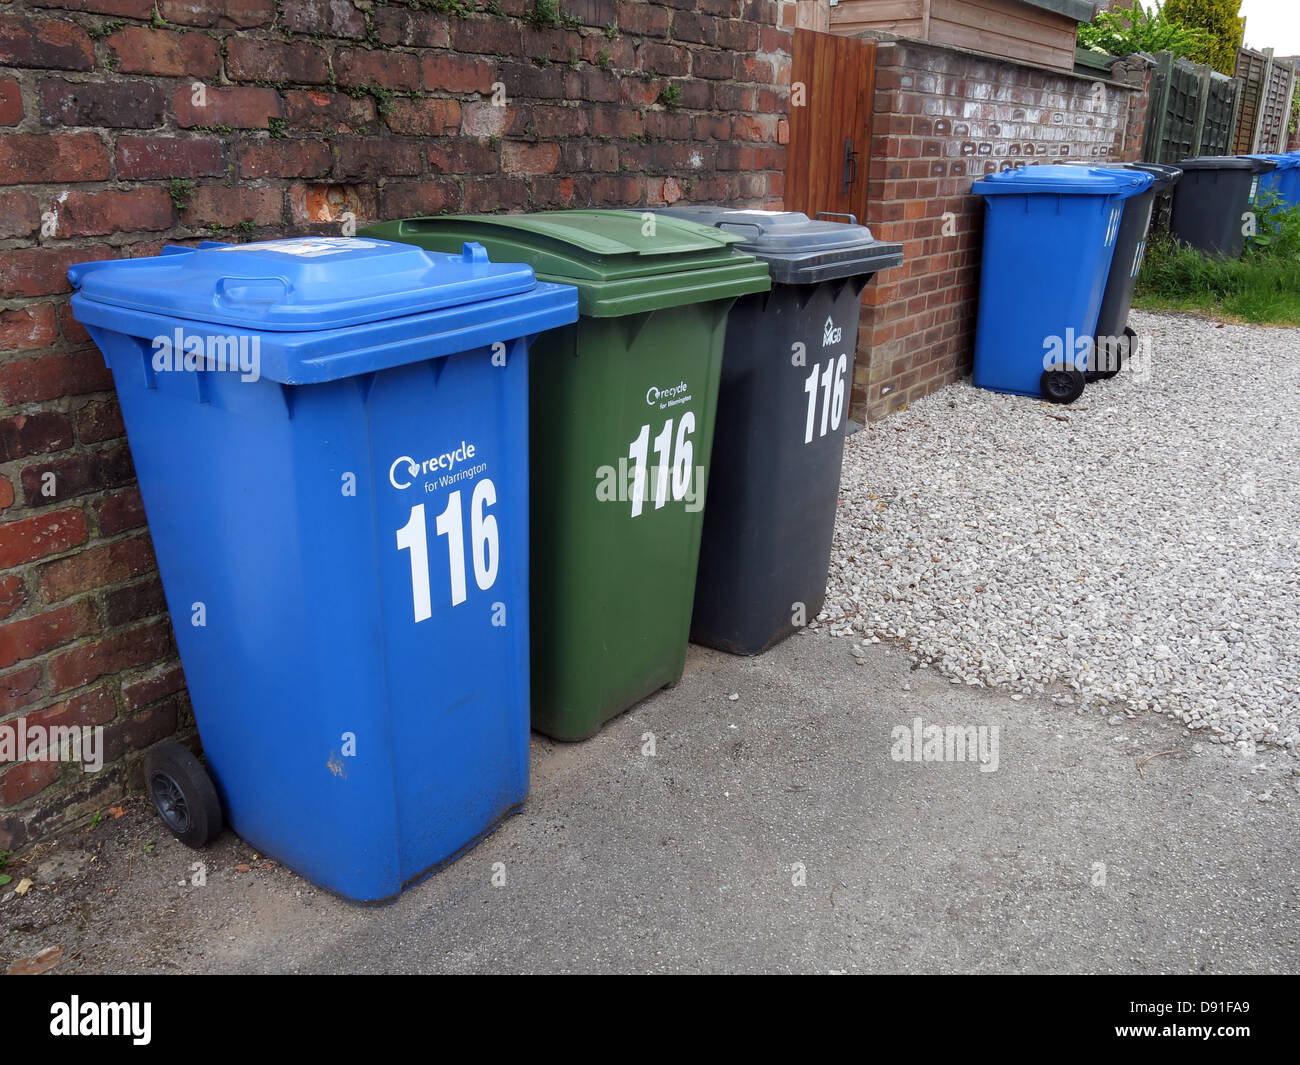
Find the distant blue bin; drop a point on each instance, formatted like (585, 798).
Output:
(1049, 235)
(342, 533)
(1284, 180)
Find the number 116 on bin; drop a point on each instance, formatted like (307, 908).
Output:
(484, 546)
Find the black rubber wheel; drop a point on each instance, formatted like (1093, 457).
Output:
(1062, 386)
(1114, 359)
(183, 794)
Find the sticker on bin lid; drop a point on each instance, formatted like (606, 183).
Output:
(301, 284)
(308, 247)
(1061, 179)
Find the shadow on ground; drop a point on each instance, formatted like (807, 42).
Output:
(772, 832)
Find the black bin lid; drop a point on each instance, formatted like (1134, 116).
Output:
(798, 250)
(1162, 175)
(1226, 162)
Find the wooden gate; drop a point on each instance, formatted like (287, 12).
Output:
(830, 124)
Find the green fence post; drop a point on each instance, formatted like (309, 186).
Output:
(1157, 105)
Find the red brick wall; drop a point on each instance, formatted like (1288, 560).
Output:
(311, 109)
(942, 119)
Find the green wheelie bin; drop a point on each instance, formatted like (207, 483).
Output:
(622, 409)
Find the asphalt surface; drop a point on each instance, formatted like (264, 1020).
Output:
(772, 832)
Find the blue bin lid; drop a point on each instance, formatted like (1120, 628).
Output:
(1162, 174)
(1284, 161)
(300, 284)
(1064, 180)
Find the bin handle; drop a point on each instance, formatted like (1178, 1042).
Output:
(78, 272)
(246, 291)
(853, 219)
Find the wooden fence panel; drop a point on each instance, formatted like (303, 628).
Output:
(1190, 111)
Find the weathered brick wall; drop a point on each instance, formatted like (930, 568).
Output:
(942, 119)
(124, 126)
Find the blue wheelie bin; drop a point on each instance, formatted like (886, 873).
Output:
(330, 436)
(1283, 180)
(1049, 236)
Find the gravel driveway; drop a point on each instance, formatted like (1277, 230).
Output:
(1134, 551)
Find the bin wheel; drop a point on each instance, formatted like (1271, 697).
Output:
(1062, 386)
(183, 794)
(1116, 356)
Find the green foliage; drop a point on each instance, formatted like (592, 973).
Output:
(547, 14)
(383, 99)
(460, 8)
(182, 192)
(1125, 30)
(110, 27)
(1279, 228)
(1219, 20)
(1262, 286)
(671, 96)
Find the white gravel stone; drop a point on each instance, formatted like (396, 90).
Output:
(1141, 554)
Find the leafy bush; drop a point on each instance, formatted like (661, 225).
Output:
(1125, 30)
(1219, 21)
(1279, 228)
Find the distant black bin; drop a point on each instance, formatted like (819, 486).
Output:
(787, 373)
(1113, 336)
(1212, 199)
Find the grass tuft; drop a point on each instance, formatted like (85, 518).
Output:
(1263, 286)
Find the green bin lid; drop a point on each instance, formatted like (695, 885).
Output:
(619, 263)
